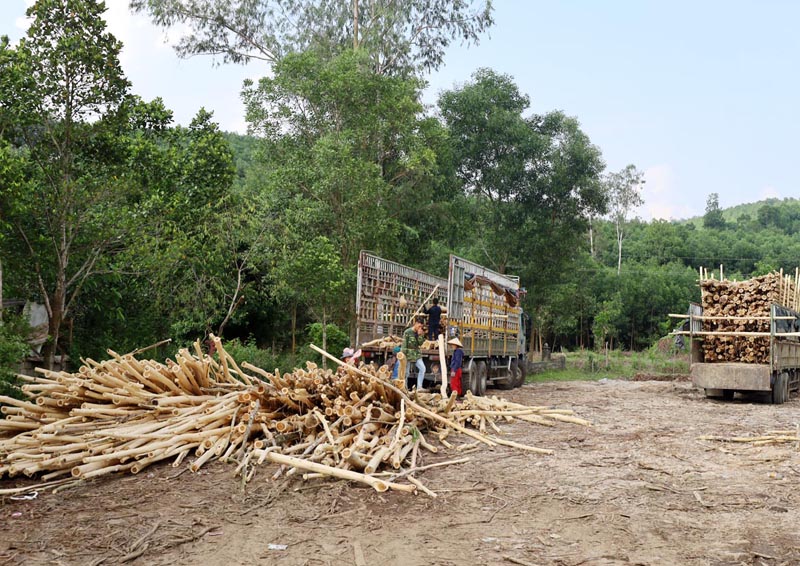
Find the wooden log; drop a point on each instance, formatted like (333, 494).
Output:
(377, 484)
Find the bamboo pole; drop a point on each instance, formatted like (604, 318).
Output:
(377, 484)
(443, 364)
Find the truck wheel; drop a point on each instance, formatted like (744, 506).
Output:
(780, 389)
(512, 380)
(480, 379)
(468, 381)
(517, 374)
(523, 373)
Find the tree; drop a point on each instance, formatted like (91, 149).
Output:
(315, 271)
(203, 241)
(399, 36)
(61, 89)
(607, 322)
(345, 155)
(532, 182)
(713, 218)
(624, 191)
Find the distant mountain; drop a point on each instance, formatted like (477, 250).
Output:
(751, 209)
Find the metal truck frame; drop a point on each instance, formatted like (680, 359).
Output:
(483, 311)
(778, 378)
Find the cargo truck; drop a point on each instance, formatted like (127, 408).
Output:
(482, 309)
(777, 379)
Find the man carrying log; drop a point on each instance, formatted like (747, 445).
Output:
(412, 341)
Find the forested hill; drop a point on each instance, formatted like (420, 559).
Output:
(749, 211)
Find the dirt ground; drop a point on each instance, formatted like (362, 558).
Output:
(636, 488)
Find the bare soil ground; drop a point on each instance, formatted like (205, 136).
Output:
(636, 488)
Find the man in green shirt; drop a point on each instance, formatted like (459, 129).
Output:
(412, 340)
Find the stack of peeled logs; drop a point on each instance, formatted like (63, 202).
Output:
(125, 413)
(737, 300)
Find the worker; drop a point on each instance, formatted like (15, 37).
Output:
(434, 317)
(351, 356)
(456, 361)
(393, 363)
(412, 340)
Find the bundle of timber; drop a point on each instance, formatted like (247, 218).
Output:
(123, 414)
(734, 302)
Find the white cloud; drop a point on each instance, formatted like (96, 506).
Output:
(660, 195)
(768, 192)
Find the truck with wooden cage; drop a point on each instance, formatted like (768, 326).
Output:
(482, 308)
(778, 377)
(745, 335)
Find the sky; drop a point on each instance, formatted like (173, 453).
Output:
(700, 96)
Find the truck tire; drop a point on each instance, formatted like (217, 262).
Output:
(480, 379)
(780, 389)
(510, 382)
(517, 373)
(468, 381)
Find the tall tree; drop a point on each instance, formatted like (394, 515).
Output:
(345, 153)
(60, 87)
(625, 194)
(399, 36)
(713, 218)
(532, 181)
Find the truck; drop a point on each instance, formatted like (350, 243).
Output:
(777, 379)
(482, 309)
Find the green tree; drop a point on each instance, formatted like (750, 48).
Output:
(61, 88)
(532, 182)
(399, 36)
(625, 194)
(713, 218)
(315, 270)
(345, 156)
(607, 322)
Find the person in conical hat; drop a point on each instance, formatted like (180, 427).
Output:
(456, 361)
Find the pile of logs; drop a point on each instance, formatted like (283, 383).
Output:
(743, 308)
(125, 413)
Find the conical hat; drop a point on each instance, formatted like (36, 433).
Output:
(455, 342)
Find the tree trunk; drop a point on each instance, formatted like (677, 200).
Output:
(355, 24)
(55, 317)
(619, 251)
(294, 328)
(324, 337)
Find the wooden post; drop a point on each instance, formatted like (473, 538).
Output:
(443, 363)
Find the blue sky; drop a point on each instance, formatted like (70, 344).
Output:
(702, 96)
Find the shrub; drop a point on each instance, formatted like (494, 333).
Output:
(13, 349)
(337, 341)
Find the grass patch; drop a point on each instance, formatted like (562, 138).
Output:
(592, 366)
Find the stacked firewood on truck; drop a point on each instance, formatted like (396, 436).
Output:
(736, 301)
(126, 413)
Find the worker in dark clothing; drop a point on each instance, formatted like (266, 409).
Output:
(434, 317)
(455, 366)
